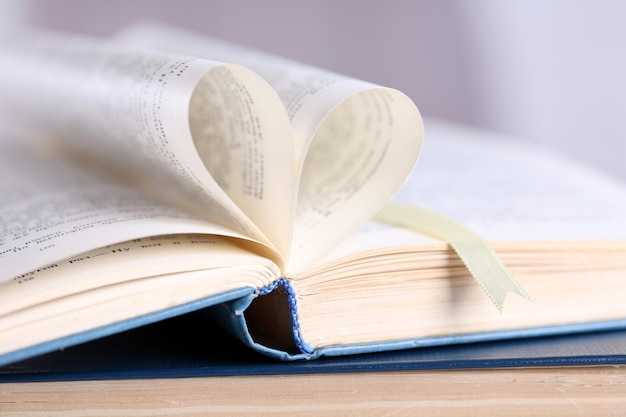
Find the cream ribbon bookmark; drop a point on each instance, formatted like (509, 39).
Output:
(479, 258)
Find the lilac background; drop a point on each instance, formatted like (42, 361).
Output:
(549, 71)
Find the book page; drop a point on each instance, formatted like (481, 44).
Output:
(503, 190)
(124, 282)
(359, 157)
(137, 259)
(207, 136)
(52, 209)
(307, 93)
(355, 142)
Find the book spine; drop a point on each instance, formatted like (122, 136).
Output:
(293, 311)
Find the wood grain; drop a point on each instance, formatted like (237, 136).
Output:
(552, 392)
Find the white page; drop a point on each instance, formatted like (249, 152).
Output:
(307, 93)
(359, 158)
(51, 209)
(504, 190)
(131, 108)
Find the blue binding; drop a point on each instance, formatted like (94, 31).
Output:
(293, 311)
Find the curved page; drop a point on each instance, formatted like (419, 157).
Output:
(159, 120)
(52, 209)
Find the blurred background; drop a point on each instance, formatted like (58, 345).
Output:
(547, 71)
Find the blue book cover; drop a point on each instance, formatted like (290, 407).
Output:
(191, 346)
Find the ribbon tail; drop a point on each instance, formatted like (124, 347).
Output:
(479, 258)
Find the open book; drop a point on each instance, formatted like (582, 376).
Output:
(152, 184)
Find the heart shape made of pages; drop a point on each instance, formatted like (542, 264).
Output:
(305, 183)
(339, 150)
(308, 183)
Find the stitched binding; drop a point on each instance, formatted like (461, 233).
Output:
(293, 311)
